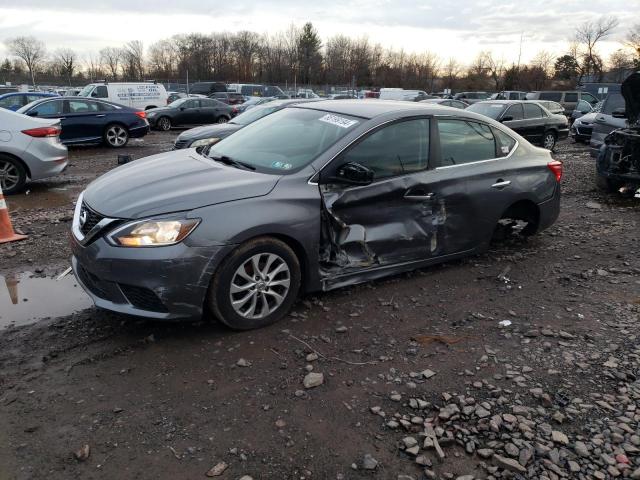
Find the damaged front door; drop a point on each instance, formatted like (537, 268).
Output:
(392, 219)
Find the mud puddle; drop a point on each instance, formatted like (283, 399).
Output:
(25, 298)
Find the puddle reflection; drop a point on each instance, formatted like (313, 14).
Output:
(26, 299)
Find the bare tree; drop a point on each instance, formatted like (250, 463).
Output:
(93, 66)
(67, 61)
(451, 71)
(31, 51)
(112, 58)
(620, 63)
(134, 59)
(588, 35)
(633, 41)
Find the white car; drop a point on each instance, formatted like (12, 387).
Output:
(140, 95)
(402, 94)
(30, 149)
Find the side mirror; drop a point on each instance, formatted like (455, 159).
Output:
(619, 113)
(182, 109)
(32, 113)
(352, 173)
(507, 118)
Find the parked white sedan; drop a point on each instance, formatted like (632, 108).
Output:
(30, 149)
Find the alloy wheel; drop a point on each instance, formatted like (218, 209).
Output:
(164, 124)
(260, 285)
(222, 120)
(117, 136)
(549, 141)
(9, 175)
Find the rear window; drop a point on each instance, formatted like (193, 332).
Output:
(491, 110)
(553, 96)
(571, 97)
(14, 101)
(532, 110)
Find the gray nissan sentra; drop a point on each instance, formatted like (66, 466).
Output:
(313, 197)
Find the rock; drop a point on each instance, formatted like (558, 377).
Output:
(312, 357)
(281, 423)
(485, 452)
(423, 460)
(636, 474)
(243, 363)
(369, 463)
(594, 205)
(573, 466)
(313, 379)
(245, 477)
(409, 442)
(82, 453)
(581, 449)
(559, 437)
(509, 464)
(482, 412)
(428, 373)
(341, 329)
(217, 470)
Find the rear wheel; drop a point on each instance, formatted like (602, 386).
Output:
(256, 285)
(164, 124)
(607, 185)
(222, 120)
(549, 140)
(13, 175)
(116, 136)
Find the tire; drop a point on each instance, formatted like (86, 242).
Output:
(549, 140)
(222, 120)
(13, 175)
(253, 292)
(116, 135)
(164, 124)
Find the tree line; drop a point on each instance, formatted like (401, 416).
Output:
(298, 55)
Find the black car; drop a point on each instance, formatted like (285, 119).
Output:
(207, 88)
(87, 121)
(618, 163)
(189, 111)
(528, 118)
(210, 134)
(230, 98)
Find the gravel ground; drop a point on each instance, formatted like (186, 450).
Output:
(518, 363)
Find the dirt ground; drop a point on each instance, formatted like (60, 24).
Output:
(171, 401)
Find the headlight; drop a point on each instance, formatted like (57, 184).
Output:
(152, 233)
(151, 114)
(205, 141)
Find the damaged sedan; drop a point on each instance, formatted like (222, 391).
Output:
(310, 198)
(618, 164)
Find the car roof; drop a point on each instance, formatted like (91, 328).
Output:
(42, 94)
(371, 108)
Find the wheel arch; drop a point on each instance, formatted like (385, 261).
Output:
(22, 162)
(526, 210)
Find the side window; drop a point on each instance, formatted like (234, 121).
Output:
(54, 107)
(514, 111)
(14, 101)
(571, 97)
(100, 92)
(504, 141)
(81, 106)
(33, 98)
(394, 150)
(462, 141)
(553, 96)
(589, 98)
(105, 107)
(583, 106)
(189, 104)
(532, 111)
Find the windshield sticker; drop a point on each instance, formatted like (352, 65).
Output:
(497, 106)
(505, 149)
(282, 165)
(338, 121)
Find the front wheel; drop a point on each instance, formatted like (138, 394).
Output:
(222, 120)
(13, 175)
(116, 136)
(549, 140)
(256, 285)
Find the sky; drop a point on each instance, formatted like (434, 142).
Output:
(455, 28)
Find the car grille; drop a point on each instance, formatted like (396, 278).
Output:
(180, 144)
(143, 298)
(94, 284)
(584, 130)
(91, 219)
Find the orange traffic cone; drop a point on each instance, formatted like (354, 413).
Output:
(12, 287)
(6, 230)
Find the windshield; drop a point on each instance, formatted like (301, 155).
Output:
(491, 110)
(254, 114)
(285, 141)
(86, 91)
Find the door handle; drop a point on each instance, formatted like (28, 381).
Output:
(416, 197)
(100, 116)
(501, 184)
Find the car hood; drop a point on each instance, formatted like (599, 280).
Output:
(210, 131)
(171, 182)
(631, 92)
(159, 109)
(587, 118)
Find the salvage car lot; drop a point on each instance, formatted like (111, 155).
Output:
(206, 396)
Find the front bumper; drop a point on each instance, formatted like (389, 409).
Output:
(161, 282)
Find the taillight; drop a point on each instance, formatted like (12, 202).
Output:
(141, 114)
(42, 132)
(556, 167)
